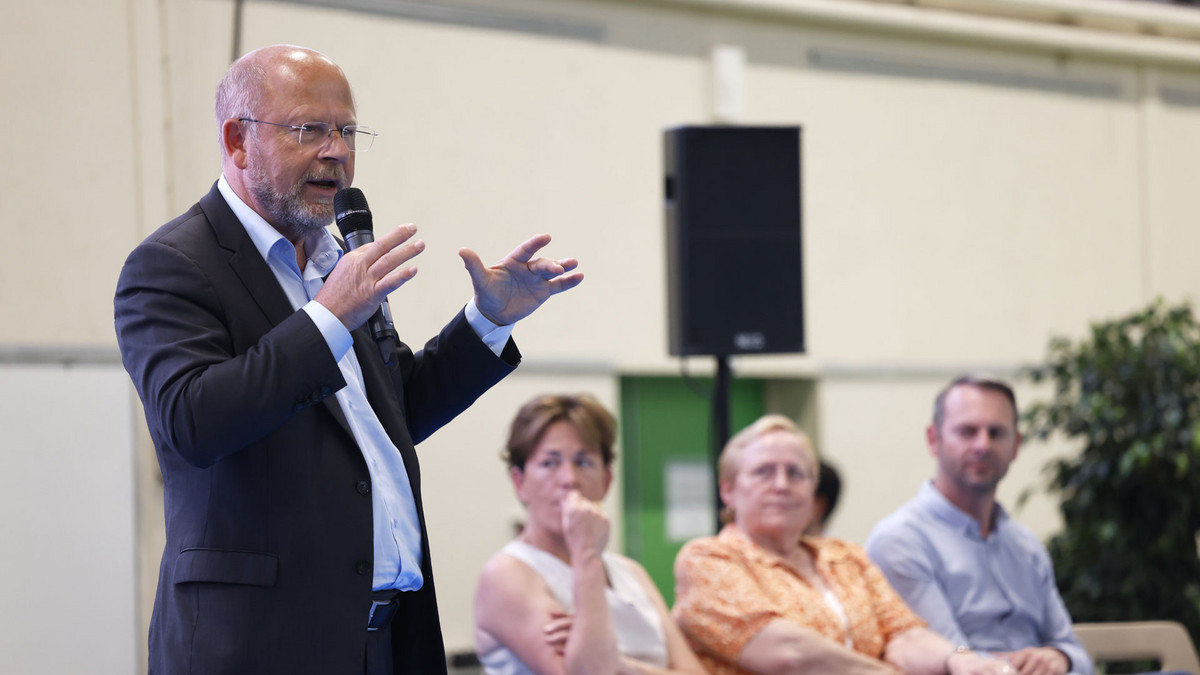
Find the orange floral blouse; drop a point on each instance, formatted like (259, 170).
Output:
(727, 589)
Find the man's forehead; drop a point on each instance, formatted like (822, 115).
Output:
(971, 399)
(310, 102)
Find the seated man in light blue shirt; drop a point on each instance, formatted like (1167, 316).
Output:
(978, 577)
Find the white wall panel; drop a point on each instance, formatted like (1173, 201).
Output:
(67, 519)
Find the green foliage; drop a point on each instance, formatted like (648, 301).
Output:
(1130, 393)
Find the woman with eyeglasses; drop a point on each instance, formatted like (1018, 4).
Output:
(553, 600)
(760, 597)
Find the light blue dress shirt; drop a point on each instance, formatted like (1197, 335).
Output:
(394, 511)
(995, 594)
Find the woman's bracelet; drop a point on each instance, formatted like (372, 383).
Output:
(961, 649)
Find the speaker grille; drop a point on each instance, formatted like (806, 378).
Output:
(733, 240)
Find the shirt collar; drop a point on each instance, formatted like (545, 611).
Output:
(737, 537)
(322, 249)
(945, 510)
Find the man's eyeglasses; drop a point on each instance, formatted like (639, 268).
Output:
(357, 138)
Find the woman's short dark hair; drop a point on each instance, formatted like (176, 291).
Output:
(592, 420)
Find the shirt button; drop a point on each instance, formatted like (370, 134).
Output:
(362, 567)
(363, 487)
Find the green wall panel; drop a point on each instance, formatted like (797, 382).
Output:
(667, 422)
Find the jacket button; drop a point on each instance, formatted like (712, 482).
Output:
(362, 567)
(363, 487)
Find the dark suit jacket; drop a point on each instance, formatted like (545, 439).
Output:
(268, 561)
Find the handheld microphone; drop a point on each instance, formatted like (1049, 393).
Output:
(354, 222)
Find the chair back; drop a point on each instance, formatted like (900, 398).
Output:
(1166, 641)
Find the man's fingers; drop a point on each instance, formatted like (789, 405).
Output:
(545, 268)
(548, 268)
(1020, 661)
(525, 252)
(472, 261)
(392, 259)
(565, 282)
(385, 244)
(396, 236)
(395, 279)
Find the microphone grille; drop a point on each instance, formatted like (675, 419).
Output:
(351, 210)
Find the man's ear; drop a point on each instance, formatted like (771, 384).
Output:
(233, 142)
(931, 437)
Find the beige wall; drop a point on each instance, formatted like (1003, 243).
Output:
(972, 185)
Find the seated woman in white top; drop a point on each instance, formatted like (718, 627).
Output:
(552, 600)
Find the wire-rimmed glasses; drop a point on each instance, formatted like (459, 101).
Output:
(357, 138)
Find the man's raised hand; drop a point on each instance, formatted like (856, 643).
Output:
(363, 277)
(513, 288)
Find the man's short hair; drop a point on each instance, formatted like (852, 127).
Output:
(829, 486)
(973, 380)
(240, 91)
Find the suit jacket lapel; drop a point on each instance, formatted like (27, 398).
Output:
(245, 260)
(248, 264)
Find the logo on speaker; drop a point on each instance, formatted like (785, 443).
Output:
(750, 342)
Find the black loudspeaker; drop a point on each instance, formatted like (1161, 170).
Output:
(733, 240)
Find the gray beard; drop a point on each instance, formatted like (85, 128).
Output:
(291, 215)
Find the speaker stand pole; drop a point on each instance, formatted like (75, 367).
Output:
(720, 426)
